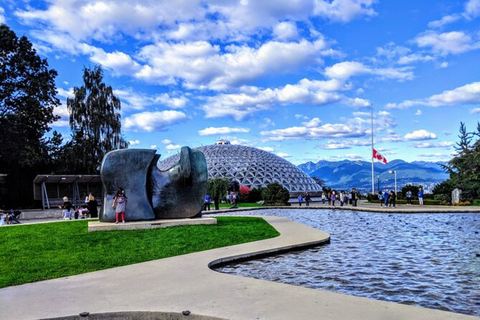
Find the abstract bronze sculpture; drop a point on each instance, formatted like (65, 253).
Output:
(178, 192)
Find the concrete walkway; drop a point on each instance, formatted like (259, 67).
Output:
(186, 282)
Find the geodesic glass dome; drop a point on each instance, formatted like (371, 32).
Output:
(251, 167)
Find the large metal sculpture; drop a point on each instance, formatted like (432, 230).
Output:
(178, 192)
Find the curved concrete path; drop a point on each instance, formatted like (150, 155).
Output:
(187, 283)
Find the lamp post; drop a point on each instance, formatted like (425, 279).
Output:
(395, 173)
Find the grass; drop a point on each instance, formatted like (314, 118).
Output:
(46, 251)
(240, 205)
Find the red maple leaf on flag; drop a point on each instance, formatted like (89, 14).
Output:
(379, 157)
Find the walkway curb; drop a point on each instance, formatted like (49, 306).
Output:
(187, 283)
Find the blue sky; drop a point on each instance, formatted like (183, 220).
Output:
(296, 78)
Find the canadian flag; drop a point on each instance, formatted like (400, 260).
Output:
(378, 156)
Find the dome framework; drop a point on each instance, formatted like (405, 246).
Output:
(251, 167)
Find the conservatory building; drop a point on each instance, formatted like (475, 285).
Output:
(251, 167)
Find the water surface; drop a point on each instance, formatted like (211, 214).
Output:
(427, 260)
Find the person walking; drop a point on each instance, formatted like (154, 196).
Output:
(420, 196)
(120, 204)
(408, 195)
(300, 200)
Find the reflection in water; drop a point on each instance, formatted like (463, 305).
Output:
(427, 260)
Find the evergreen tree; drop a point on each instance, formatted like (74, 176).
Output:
(27, 100)
(464, 168)
(95, 122)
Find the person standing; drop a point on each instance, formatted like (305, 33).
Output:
(385, 197)
(380, 198)
(120, 204)
(393, 198)
(333, 197)
(206, 202)
(324, 198)
(300, 200)
(355, 197)
(420, 196)
(408, 195)
(307, 199)
(341, 195)
(92, 206)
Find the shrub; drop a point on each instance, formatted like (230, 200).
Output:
(255, 195)
(462, 203)
(275, 195)
(244, 190)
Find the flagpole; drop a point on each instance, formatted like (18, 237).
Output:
(373, 181)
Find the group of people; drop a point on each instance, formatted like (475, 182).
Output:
(305, 197)
(87, 210)
(344, 197)
(9, 217)
(389, 199)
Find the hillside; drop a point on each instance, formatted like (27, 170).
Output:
(345, 175)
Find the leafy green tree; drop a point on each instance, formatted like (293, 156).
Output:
(217, 188)
(275, 195)
(27, 100)
(95, 122)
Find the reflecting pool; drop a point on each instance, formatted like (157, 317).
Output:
(427, 260)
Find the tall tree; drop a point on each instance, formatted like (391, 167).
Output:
(217, 188)
(464, 168)
(94, 120)
(27, 100)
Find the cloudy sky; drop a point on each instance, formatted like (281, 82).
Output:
(298, 78)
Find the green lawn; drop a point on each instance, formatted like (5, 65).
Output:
(45, 251)
(240, 205)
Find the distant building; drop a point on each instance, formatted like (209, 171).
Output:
(251, 167)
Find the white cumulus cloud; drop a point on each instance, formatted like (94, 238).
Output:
(420, 135)
(154, 121)
(286, 30)
(446, 43)
(467, 94)
(221, 130)
(134, 142)
(344, 10)
(173, 147)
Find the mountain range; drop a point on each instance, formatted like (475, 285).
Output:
(346, 174)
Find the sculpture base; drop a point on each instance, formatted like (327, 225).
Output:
(152, 224)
